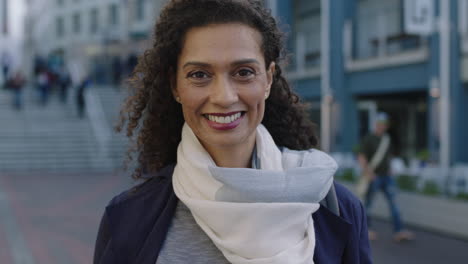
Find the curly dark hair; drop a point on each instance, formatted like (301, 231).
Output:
(156, 118)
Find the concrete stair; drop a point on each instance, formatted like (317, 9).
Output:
(49, 138)
(111, 100)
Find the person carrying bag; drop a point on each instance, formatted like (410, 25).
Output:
(374, 159)
(368, 174)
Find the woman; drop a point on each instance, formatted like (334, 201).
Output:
(226, 151)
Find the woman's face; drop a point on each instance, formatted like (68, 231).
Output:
(222, 83)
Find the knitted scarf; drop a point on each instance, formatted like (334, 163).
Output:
(255, 216)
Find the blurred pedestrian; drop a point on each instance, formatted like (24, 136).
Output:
(15, 83)
(226, 153)
(5, 64)
(374, 158)
(80, 97)
(116, 72)
(64, 82)
(43, 86)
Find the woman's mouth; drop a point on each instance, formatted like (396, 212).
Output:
(224, 121)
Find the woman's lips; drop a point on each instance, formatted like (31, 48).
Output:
(224, 121)
(224, 114)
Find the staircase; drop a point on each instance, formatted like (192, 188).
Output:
(111, 100)
(52, 138)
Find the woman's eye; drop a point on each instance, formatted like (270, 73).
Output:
(198, 75)
(245, 73)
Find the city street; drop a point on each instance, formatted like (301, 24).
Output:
(427, 248)
(53, 219)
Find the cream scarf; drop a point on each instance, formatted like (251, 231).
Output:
(255, 216)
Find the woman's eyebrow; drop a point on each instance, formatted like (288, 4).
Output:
(234, 63)
(196, 63)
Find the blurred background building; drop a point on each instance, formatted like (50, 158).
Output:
(349, 60)
(104, 37)
(12, 14)
(62, 46)
(374, 60)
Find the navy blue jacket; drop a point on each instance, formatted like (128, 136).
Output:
(135, 224)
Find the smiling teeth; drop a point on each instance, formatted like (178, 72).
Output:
(224, 119)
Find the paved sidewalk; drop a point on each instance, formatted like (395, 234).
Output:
(427, 248)
(55, 217)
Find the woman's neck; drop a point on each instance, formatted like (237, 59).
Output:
(236, 156)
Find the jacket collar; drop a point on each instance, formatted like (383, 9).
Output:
(332, 234)
(139, 224)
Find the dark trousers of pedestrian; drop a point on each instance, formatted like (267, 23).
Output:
(387, 185)
(17, 99)
(80, 103)
(44, 94)
(63, 93)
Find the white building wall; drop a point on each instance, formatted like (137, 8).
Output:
(11, 43)
(81, 47)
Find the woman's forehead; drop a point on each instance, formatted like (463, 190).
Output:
(221, 42)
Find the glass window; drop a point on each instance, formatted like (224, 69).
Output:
(4, 17)
(76, 23)
(140, 10)
(113, 15)
(379, 29)
(307, 32)
(94, 21)
(59, 27)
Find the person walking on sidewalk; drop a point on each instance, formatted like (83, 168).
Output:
(80, 96)
(43, 86)
(226, 152)
(374, 159)
(16, 83)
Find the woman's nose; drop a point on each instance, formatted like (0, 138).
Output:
(223, 92)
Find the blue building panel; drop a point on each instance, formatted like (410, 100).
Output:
(308, 88)
(404, 78)
(285, 20)
(459, 97)
(349, 86)
(460, 126)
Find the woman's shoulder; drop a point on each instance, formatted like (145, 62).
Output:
(149, 183)
(345, 195)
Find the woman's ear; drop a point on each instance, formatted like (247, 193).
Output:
(173, 83)
(270, 74)
(176, 96)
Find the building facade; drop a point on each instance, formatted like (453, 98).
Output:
(11, 34)
(350, 59)
(98, 37)
(357, 57)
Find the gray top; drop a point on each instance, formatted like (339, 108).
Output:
(187, 243)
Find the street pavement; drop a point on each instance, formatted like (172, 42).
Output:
(53, 219)
(427, 247)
